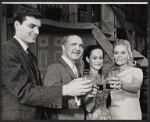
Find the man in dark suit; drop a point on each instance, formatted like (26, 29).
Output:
(63, 73)
(23, 93)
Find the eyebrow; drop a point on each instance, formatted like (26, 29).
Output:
(34, 25)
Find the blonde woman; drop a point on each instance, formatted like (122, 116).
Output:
(126, 84)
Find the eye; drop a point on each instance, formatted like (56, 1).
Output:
(31, 26)
(81, 46)
(123, 52)
(115, 52)
(73, 44)
(94, 57)
(101, 57)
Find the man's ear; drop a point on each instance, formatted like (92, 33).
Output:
(87, 59)
(16, 25)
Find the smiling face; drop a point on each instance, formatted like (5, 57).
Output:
(28, 30)
(73, 48)
(121, 55)
(96, 59)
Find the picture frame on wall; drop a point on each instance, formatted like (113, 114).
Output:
(58, 41)
(42, 41)
(42, 59)
(57, 54)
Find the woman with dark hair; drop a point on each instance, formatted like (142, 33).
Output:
(96, 106)
(127, 82)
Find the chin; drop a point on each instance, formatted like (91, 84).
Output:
(75, 59)
(97, 68)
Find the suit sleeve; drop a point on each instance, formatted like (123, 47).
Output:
(52, 76)
(16, 81)
(55, 76)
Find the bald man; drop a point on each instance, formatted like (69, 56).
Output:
(63, 73)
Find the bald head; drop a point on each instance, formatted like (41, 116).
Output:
(70, 37)
(72, 47)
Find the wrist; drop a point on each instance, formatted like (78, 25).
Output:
(64, 90)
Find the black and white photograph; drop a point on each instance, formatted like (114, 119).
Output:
(74, 61)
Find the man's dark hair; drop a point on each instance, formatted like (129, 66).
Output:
(21, 13)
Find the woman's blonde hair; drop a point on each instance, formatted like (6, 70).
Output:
(126, 44)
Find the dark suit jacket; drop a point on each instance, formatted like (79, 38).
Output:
(58, 74)
(23, 95)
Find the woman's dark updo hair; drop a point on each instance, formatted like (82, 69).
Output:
(87, 53)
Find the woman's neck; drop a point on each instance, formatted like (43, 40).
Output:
(122, 68)
(94, 72)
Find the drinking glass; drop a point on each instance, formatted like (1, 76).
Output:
(99, 79)
(109, 75)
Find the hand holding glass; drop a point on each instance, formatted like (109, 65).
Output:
(87, 76)
(112, 81)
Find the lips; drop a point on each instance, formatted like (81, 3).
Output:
(34, 37)
(77, 52)
(97, 64)
(120, 59)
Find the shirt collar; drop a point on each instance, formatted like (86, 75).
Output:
(69, 62)
(24, 46)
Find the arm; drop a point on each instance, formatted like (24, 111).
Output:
(17, 82)
(135, 85)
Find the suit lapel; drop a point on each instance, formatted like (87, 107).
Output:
(26, 58)
(67, 68)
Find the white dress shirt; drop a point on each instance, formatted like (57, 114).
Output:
(24, 46)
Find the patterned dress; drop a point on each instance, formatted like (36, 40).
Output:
(100, 110)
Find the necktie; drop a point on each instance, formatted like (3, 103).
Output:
(29, 54)
(77, 100)
(75, 70)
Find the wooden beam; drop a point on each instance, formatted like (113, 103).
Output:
(103, 41)
(123, 22)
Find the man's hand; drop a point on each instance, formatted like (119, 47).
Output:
(93, 92)
(77, 87)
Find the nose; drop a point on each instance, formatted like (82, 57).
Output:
(36, 30)
(99, 60)
(77, 47)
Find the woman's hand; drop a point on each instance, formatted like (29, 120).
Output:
(115, 83)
